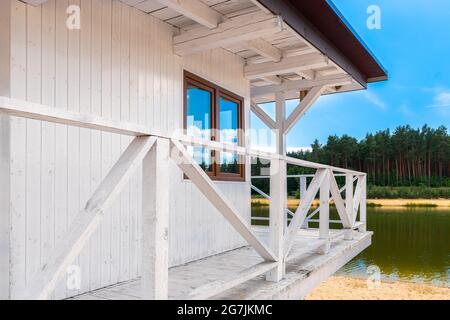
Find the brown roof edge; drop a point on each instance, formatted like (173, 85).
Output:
(324, 27)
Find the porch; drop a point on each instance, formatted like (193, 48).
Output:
(129, 87)
(233, 272)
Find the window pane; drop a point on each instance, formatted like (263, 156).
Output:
(198, 123)
(229, 125)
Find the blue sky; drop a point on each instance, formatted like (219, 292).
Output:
(413, 45)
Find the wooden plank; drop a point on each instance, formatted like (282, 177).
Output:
(76, 69)
(286, 65)
(195, 10)
(33, 142)
(106, 137)
(302, 210)
(81, 59)
(5, 216)
(125, 107)
(324, 219)
(263, 116)
(44, 282)
(115, 115)
(339, 203)
(277, 216)
(265, 49)
(214, 195)
(48, 213)
(35, 2)
(302, 108)
(280, 110)
(25, 109)
(155, 219)
(5, 151)
(216, 287)
(228, 36)
(363, 205)
(357, 197)
(349, 195)
(301, 85)
(272, 80)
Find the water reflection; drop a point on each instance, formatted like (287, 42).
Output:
(409, 244)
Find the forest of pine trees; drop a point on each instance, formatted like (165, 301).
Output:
(404, 157)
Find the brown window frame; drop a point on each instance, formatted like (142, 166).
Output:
(217, 93)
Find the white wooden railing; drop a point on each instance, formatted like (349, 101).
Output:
(153, 150)
(351, 200)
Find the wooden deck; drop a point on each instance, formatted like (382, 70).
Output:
(306, 268)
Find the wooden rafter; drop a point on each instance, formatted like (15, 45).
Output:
(286, 65)
(265, 49)
(195, 10)
(44, 281)
(301, 85)
(245, 28)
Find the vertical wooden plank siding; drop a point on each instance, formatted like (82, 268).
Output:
(62, 183)
(18, 148)
(5, 216)
(48, 132)
(5, 186)
(119, 65)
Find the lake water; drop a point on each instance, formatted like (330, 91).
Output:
(409, 244)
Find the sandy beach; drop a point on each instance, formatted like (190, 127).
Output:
(346, 288)
(439, 203)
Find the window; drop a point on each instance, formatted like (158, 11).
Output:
(213, 113)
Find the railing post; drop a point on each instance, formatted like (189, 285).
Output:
(363, 205)
(349, 201)
(278, 197)
(155, 217)
(324, 220)
(303, 188)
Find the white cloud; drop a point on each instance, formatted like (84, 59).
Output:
(375, 100)
(441, 99)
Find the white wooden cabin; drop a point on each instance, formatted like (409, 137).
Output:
(99, 196)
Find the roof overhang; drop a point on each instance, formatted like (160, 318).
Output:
(321, 24)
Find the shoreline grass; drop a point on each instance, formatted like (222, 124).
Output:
(373, 203)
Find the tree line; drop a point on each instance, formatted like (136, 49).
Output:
(404, 157)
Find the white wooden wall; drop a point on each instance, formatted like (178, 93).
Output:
(120, 65)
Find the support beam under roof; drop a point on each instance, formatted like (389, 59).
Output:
(195, 10)
(265, 49)
(227, 33)
(301, 85)
(285, 66)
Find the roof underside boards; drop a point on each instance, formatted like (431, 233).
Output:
(280, 45)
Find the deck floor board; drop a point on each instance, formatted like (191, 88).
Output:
(303, 273)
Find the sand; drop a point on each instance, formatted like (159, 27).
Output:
(346, 288)
(440, 203)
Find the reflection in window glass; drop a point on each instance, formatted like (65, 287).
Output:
(229, 124)
(198, 121)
